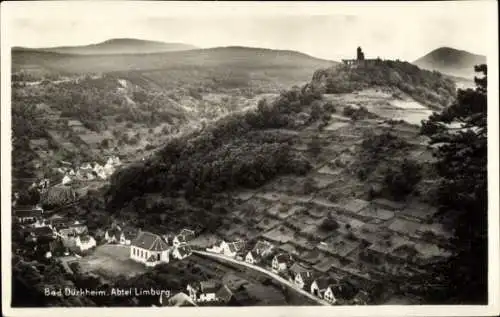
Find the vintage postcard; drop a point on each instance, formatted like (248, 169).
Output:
(246, 158)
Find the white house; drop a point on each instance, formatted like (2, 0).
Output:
(329, 295)
(262, 248)
(181, 252)
(69, 232)
(127, 235)
(110, 162)
(208, 291)
(218, 247)
(179, 300)
(85, 242)
(193, 291)
(44, 183)
(66, 180)
(281, 262)
(86, 166)
(184, 236)
(112, 235)
(178, 240)
(302, 276)
(204, 291)
(27, 214)
(40, 222)
(97, 168)
(231, 249)
(108, 169)
(249, 258)
(149, 248)
(102, 174)
(79, 175)
(319, 287)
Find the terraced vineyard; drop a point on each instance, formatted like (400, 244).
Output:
(375, 239)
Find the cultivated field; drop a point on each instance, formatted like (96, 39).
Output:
(292, 217)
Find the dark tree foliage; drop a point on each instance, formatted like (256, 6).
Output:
(237, 151)
(329, 224)
(376, 148)
(462, 166)
(358, 113)
(401, 181)
(315, 146)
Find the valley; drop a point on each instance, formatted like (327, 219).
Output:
(213, 153)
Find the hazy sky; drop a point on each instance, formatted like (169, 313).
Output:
(332, 31)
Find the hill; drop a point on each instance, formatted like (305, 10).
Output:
(451, 61)
(248, 150)
(304, 173)
(116, 46)
(143, 100)
(429, 88)
(240, 57)
(222, 67)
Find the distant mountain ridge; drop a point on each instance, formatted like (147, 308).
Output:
(116, 46)
(451, 61)
(236, 57)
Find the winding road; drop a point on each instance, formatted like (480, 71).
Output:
(272, 275)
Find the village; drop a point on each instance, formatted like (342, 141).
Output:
(315, 269)
(85, 172)
(56, 237)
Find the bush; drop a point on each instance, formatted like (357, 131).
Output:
(357, 113)
(315, 146)
(309, 186)
(329, 224)
(402, 181)
(329, 107)
(420, 84)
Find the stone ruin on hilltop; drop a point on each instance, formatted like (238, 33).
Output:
(360, 59)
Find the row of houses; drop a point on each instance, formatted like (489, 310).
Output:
(89, 171)
(283, 264)
(38, 229)
(41, 184)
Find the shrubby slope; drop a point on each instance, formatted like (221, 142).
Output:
(430, 88)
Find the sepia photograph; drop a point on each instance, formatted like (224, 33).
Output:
(276, 156)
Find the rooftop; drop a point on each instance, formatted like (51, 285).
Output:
(179, 300)
(300, 269)
(24, 213)
(210, 286)
(149, 241)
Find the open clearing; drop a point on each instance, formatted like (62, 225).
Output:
(110, 261)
